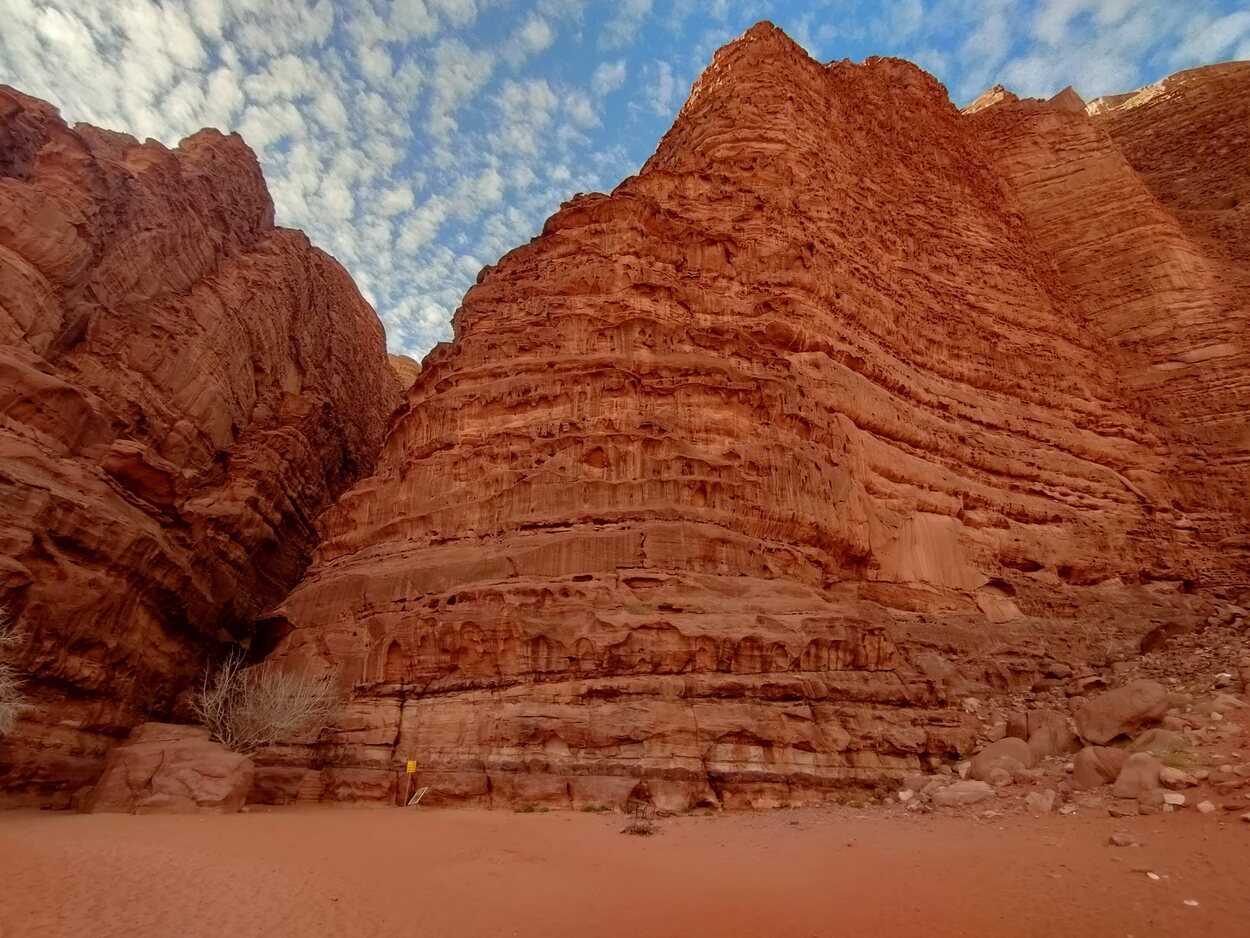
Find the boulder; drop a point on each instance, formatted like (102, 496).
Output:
(1176, 778)
(1121, 712)
(1159, 742)
(969, 791)
(1000, 777)
(1041, 802)
(171, 769)
(1011, 754)
(915, 782)
(1139, 775)
(1050, 735)
(1095, 766)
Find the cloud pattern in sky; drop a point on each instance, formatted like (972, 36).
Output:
(418, 140)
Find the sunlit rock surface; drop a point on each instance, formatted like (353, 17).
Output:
(734, 483)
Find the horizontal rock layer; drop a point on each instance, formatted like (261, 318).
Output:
(183, 387)
(734, 479)
(1145, 208)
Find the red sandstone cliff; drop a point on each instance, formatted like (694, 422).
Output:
(1145, 208)
(732, 481)
(183, 387)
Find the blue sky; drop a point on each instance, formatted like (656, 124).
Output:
(418, 140)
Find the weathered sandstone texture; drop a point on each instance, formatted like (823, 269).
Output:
(1145, 208)
(167, 768)
(736, 484)
(183, 387)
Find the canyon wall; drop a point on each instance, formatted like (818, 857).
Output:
(183, 387)
(1144, 204)
(735, 482)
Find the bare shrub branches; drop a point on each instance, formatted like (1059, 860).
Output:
(247, 709)
(12, 701)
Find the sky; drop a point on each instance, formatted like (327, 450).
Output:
(420, 140)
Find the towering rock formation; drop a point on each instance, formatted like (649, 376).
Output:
(183, 387)
(733, 479)
(1145, 207)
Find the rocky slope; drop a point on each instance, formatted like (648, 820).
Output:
(183, 387)
(733, 480)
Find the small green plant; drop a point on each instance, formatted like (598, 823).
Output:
(639, 828)
(530, 809)
(596, 809)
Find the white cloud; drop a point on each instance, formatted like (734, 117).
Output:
(411, 19)
(533, 36)
(421, 226)
(608, 77)
(394, 200)
(660, 88)
(580, 109)
(1210, 40)
(458, 12)
(459, 74)
(526, 111)
(563, 10)
(536, 34)
(905, 18)
(621, 29)
(375, 63)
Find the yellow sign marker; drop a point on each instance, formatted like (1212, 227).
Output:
(412, 766)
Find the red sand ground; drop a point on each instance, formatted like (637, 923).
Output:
(834, 872)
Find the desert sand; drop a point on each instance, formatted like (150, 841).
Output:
(468, 872)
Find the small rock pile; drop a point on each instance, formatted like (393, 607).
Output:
(1156, 732)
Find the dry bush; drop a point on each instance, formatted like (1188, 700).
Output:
(248, 708)
(12, 701)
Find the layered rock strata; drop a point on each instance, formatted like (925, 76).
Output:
(1145, 208)
(183, 387)
(733, 481)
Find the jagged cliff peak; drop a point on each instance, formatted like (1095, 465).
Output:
(1219, 73)
(783, 101)
(998, 96)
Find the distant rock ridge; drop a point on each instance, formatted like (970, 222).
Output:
(734, 482)
(183, 387)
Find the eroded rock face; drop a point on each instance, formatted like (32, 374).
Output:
(183, 387)
(734, 477)
(1145, 207)
(171, 769)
